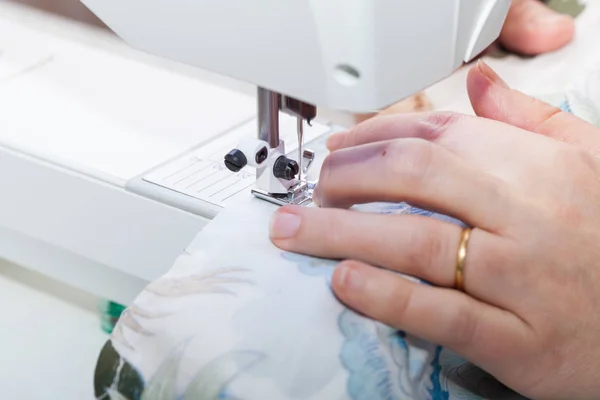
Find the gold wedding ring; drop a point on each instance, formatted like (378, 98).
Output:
(460, 259)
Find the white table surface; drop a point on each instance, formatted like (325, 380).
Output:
(50, 336)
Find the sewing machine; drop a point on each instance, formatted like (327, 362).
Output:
(351, 55)
(115, 159)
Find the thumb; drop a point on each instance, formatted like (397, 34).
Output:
(533, 28)
(492, 98)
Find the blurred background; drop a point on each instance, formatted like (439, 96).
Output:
(51, 332)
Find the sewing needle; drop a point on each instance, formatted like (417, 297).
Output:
(300, 131)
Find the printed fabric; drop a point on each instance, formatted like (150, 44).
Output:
(237, 318)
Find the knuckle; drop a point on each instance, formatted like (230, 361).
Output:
(463, 326)
(549, 113)
(436, 124)
(578, 168)
(410, 160)
(336, 239)
(568, 214)
(403, 302)
(492, 263)
(579, 159)
(425, 252)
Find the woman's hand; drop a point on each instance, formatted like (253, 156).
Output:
(530, 310)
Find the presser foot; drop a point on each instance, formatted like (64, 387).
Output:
(299, 194)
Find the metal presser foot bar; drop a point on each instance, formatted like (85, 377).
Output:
(269, 105)
(280, 179)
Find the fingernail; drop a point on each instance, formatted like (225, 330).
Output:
(490, 74)
(335, 141)
(284, 225)
(351, 279)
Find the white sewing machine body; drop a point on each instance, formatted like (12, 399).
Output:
(114, 164)
(351, 55)
(111, 161)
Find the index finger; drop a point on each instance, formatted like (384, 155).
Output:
(393, 126)
(484, 142)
